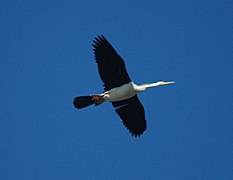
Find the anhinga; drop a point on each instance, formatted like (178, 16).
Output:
(118, 88)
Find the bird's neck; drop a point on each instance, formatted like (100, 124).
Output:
(143, 87)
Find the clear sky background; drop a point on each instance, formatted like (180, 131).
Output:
(46, 59)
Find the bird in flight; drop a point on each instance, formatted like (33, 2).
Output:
(118, 88)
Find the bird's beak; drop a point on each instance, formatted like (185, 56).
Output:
(170, 82)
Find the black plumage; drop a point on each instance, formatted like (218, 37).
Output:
(111, 66)
(113, 73)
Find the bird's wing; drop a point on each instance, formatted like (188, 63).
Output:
(132, 114)
(111, 66)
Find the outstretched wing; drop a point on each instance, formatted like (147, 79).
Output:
(113, 73)
(132, 113)
(111, 66)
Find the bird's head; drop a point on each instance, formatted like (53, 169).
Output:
(143, 87)
(161, 83)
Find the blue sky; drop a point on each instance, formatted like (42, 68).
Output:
(46, 60)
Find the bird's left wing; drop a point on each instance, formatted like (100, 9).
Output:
(111, 66)
(132, 113)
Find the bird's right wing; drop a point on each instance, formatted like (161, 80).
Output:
(132, 114)
(111, 66)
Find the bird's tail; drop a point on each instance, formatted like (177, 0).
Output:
(84, 101)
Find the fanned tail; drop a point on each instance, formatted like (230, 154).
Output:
(84, 101)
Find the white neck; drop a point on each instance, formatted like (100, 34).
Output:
(151, 84)
(143, 87)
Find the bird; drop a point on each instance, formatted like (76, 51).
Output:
(118, 88)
